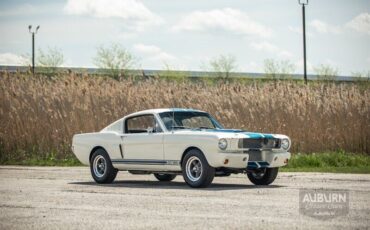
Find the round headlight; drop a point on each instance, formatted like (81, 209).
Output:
(285, 144)
(222, 144)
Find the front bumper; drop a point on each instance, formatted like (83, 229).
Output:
(231, 160)
(271, 160)
(252, 160)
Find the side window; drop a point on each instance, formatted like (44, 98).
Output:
(141, 124)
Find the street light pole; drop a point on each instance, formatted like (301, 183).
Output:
(304, 3)
(33, 46)
(33, 53)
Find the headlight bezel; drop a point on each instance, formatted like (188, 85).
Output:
(287, 145)
(222, 144)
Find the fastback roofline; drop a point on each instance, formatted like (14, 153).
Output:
(153, 111)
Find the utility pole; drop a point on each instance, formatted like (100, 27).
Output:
(33, 46)
(304, 3)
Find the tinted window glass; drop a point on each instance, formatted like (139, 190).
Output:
(142, 124)
(188, 120)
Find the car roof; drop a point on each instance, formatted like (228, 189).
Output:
(161, 110)
(151, 111)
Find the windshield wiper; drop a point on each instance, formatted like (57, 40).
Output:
(181, 127)
(187, 127)
(204, 127)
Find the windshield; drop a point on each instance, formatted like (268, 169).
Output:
(189, 120)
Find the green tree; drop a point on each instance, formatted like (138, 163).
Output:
(115, 59)
(169, 72)
(326, 72)
(53, 58)
(222, 65)
(361, 76)
(278, 69)
(49, 60)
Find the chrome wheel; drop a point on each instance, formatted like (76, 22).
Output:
(99, 166)
(194, 168)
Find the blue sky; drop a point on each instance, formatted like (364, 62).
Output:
(187, 34)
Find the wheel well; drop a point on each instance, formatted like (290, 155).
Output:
(187, 150)
(93, 150)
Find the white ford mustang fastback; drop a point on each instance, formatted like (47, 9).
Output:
(168, 142)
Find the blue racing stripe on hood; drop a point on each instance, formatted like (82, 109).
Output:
(254, 135)
(268, 136)
(250, 134)
(225, 130)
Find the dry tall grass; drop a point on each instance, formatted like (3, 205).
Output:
(39, 115)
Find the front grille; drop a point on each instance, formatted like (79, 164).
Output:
(255, 155)
(260, 143)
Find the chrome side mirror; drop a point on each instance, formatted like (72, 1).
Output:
(150, 130)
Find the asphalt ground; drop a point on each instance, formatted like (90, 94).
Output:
(67, 198)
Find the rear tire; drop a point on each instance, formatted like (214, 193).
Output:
(164, 177)
(196, 171)
(264, 177)
(101, 167)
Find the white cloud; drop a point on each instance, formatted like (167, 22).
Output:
(12, 59)
(252, 67)
(323, 27)
(271, 48)
(294, 29)
(225, 19)
(330, 62)
(299, 66)
(360, 23)
(131, 11)
(264, 46)
(284, 54)
(153, 52)
(148, 49)
(299, 30)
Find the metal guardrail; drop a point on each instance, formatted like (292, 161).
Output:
(192, 74)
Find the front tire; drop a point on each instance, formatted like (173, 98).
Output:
(264, 176)
(196, 171)
(101, 167)
(164, 177)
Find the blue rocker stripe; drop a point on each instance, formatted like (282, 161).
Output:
(144, 162)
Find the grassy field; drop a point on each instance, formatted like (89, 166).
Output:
(39, 115)
(329, 162)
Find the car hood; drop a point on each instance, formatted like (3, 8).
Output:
(231, 133)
